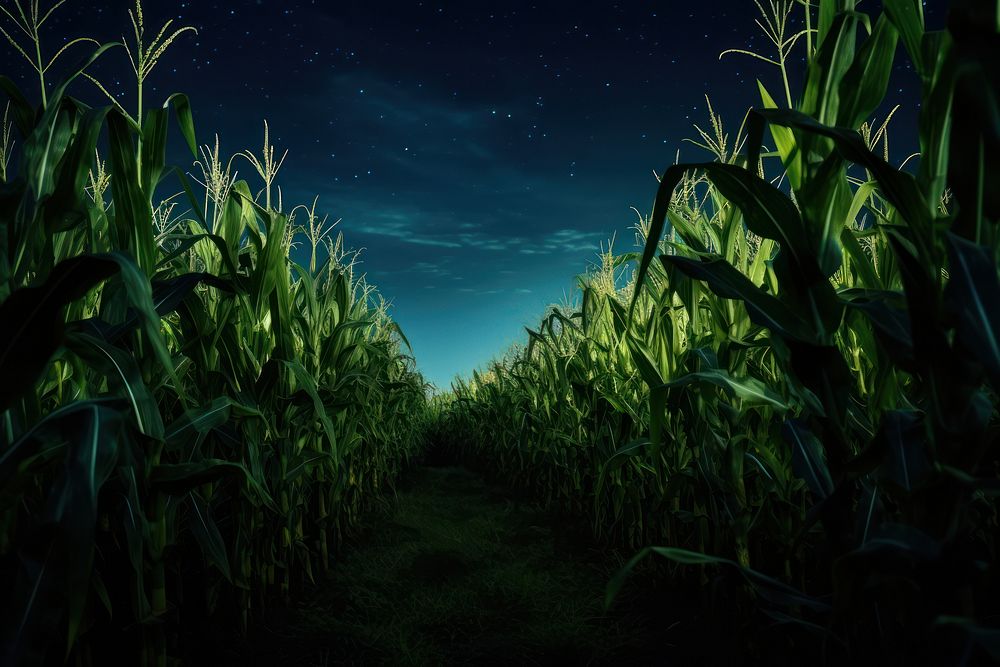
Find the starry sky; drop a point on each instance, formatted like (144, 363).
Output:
(479, 152)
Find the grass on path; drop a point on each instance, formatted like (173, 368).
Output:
(460, 571)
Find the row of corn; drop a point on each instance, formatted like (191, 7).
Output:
(190, 415)
(792, 389)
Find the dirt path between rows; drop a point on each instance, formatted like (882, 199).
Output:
(459, 571)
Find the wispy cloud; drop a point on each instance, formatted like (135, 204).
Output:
(433, 242)
(436, 228)
(428, 267)
(403, 226)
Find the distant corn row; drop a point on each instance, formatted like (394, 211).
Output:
(188, 418)
(797, 384)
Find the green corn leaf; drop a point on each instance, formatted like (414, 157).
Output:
(132, 230)
(828, 12)
(664, 192)
(770, 589)
(766, 210)
(44, 149)
(185, 242)
(864, 86)
(974, 293)
(196, 206)
(169, 293)
(203, 420)
(687, 231)
(908, 18)
(763, 308)
(35, 317)
(620, 457)
(887, 313)
(784, 141)
(154, 138)
(828, 68)
(860, 261)
(66, 206)
(23, 112)
(645, 363)
(47, 431)
(124, 378)
(808, 460)
(139, 295)
(207, 534)
(824, 199)
(185, 119)
(304, 462)
(749, 390)
(307, 383)
(154, 149)
(167, 296)
(198, 422)
(179, 478)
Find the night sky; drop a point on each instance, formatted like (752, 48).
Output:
(478, 152)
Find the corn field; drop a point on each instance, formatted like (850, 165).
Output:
(788, 395)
